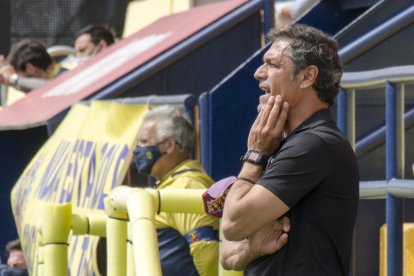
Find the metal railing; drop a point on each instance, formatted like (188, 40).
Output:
(393, 189)
(128, 225)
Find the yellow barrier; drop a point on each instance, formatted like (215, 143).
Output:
(39, 256)
(55, 231)
(92, 224)
(116, 233)
(141, 207)
(408, 249)
(128, 223)
(130, 254)
(181, 200)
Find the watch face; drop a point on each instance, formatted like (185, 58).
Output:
(254, 156)
(13, 79)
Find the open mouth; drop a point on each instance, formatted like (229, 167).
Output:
(265, 89)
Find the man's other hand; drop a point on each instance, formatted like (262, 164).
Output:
(270, 238)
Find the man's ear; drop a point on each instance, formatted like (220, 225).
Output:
(31, 69)
(309, 75)
(103, 44)
(169, 145)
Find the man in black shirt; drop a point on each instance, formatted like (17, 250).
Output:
(298, 165)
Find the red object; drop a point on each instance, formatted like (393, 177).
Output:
(215, 196)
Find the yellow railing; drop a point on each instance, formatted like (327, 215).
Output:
(128, 225)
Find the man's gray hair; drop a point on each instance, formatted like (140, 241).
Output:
(172, 121)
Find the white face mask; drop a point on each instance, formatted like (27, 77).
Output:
(81, 59)
(73, 61)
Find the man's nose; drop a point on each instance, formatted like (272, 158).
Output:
(260, 73)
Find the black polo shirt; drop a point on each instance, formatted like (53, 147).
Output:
(315, 173)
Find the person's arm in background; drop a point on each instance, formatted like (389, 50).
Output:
(268, 240)
(25, 84)
(3, 63)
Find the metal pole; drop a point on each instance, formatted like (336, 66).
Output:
(393, 204)
(400, 121)
(342, 104)
(346, 123)
(350, 117)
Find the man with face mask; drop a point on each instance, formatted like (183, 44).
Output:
(91, 40)
(188, 243)
(28, 66)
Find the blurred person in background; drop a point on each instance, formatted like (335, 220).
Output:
(89, 41)
(16, 264)
(92, 39)
(28, 66)
(287, 12)
(290, 11)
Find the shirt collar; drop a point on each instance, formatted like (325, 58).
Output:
(180, 166)
(320, 117)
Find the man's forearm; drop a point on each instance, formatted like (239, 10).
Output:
(235, 207)
(27, 84)
(267, 240)
(235, 255)
(248, 176)
(251, 172)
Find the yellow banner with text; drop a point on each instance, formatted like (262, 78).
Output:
(87, 156)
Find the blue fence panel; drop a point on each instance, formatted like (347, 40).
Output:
(392, 189)
(227, 113)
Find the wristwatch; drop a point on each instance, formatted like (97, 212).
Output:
(14, 78)
(255, 157)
